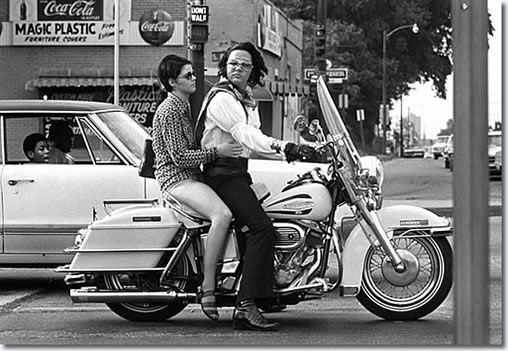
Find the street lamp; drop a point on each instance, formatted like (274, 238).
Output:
(415, 29)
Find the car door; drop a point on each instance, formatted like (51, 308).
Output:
(45, 204)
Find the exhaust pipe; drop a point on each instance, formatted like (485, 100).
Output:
(75, 279)
(85, 295)
(317, 283)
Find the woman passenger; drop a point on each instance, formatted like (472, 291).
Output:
(178, 161)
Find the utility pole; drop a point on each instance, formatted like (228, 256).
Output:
(321, 25)
(197, 36)
(320, 45)
(116, 54)
(402, 128)
(471, 172)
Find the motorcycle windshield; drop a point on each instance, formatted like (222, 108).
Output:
(333, 119)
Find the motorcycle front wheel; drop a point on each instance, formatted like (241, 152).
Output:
(136, 282)
(414, 293)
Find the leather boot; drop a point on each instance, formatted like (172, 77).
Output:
(248, 317)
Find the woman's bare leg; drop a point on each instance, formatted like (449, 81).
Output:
(202, 199)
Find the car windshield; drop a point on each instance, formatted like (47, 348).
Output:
(442, 139)
(130, 133)
(495, 140)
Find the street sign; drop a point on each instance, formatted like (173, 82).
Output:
(308, 72)
(336, 75)
(199, 14)
(343, 101)
(360, 115)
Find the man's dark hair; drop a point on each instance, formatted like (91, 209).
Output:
(259, 69)
(31, 141)
(61, 134)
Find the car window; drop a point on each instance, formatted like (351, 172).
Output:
(18, 127)
(99, 148)
(126, 130)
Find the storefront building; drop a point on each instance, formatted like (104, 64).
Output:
(64, 49)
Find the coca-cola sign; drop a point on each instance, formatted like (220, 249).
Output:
(156, 27)
(70, 10)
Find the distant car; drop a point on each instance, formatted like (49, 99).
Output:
(42, 205)
(499, 161)
(447, 148)
(439, 145)
(495, 143)
(414, 151)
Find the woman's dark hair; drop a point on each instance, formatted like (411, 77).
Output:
(259, 69)
(170, 67)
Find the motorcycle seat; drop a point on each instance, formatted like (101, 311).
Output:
(185, 213)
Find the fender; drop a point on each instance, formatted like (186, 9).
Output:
(398, 217)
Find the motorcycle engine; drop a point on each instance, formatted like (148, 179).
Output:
(294, 248)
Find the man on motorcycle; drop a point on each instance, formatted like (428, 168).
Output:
(229, 113)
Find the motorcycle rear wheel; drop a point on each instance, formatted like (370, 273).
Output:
(415, 293)
(145, 312)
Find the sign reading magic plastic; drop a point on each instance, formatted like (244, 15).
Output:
(85, 23)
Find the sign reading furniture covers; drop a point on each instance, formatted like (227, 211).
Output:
(85, 23)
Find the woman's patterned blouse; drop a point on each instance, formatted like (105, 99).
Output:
(178, 158)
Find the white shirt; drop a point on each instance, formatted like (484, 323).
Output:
(226, 121)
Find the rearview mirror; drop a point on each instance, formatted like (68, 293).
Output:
(300, 123)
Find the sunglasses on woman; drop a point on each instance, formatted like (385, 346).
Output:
(188, 75)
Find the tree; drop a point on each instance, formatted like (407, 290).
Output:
(449, 128)
(354, 40)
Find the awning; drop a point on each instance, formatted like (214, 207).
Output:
(46, 82)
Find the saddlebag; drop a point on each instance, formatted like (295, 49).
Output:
(133, 237)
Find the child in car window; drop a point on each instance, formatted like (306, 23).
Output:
(36, 148)
(60, 139)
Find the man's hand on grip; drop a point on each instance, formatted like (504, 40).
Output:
(295, 152)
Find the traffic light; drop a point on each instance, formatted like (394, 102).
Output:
(198, 33)
(319, 41)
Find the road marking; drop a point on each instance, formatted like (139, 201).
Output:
(22, 309)
(8, 297)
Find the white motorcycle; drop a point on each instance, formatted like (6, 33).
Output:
(145, 259)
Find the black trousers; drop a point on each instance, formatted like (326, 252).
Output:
(259, 239)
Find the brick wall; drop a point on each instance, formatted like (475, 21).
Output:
(21, 64)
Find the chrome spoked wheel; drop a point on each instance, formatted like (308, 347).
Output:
(137, 282)
(416, 292)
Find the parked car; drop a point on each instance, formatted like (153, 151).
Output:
(439, 145)
(43, 205)
(446, 150)
(414, 151)
(495, 142)
(499, 161)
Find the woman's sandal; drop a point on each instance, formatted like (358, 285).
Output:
(209, 307)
